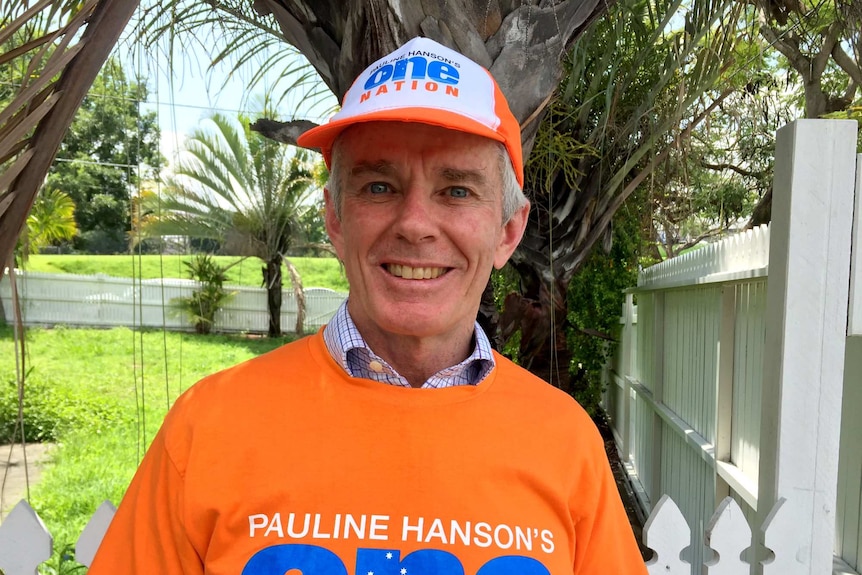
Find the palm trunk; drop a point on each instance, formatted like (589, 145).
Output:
(273, 282)
(299, 296)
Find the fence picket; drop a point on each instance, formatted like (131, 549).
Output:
(24, 541)
(91, 536)
(68, 299)
(782, 539)
(728, 534)
(667, 533)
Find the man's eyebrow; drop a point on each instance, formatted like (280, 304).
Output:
(376, 167)
(468, 176)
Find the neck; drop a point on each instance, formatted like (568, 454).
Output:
(418, 358)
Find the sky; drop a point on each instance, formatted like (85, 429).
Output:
(183, 97)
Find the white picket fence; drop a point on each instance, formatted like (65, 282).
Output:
(104, 301)
(25, 543)
(729, 376)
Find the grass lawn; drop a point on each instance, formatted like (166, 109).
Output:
(102, 395)
(314, 272)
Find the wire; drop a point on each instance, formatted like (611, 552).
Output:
(161, 252)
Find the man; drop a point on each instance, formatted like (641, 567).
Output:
(394, 441)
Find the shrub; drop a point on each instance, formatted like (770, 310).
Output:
(202, 306)
(51, 410)
(595, 298)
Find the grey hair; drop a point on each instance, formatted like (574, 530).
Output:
(513, 196)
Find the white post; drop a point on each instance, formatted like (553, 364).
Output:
(724, 386)
(806, 319)
(656, 487)
(626, 342)
(855, 322)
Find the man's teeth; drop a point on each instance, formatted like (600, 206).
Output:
(408, 273)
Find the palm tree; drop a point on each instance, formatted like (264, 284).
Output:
(605, 104)
(240, 189)
(51, 220)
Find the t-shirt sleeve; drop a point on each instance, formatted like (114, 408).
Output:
(147, 535)
(605, 542)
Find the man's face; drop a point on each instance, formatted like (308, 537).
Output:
(418, 201)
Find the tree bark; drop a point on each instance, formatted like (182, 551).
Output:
(514, 40)
(273, 282)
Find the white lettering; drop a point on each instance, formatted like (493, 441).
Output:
(437, 532)
(379, 526)
(258, 521)
(290, 530)
(499, 541)
(317, 534)
(406, 528)
(523, 537)
(274, 525)
(483, 535)
(462, 534)
(350, 524)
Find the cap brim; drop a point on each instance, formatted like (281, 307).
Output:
(323, 136)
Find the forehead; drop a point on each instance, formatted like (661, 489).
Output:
(396, 142)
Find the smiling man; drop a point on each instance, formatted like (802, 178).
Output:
(394, 441)
(415, 212)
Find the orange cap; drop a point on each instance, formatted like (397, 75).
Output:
(426, 82)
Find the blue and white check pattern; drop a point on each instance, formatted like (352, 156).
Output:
(349, 350)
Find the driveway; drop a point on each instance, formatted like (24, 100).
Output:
(13, 479)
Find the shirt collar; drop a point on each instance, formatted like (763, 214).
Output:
(348, 348)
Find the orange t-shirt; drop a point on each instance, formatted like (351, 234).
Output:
(284, 464)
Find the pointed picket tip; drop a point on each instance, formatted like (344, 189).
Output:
(667, 533)
(728, 534)
(92, 535)
(24, 541)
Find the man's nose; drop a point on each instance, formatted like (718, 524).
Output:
(415, 218)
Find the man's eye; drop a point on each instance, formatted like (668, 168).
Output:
(378, 188)
(456, 192)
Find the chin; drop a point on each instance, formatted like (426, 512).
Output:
(412, 320)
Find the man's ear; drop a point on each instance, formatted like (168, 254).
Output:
(513, 231)
(332, 222)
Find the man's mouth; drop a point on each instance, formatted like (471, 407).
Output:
(409, 273)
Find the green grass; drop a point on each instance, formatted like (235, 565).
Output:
(314, 272)
(103, 385)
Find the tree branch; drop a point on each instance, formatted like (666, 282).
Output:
(850, 91)
(789, 49)
(733, 168)
(699, 238)
(829, 42)
(611, 209)
(848, 64)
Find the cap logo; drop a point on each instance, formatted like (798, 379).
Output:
(426, 82)
(424, 74)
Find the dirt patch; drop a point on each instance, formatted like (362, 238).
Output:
(15, 476)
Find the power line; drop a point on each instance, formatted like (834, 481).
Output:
(97, 163)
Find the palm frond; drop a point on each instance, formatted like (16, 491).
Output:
(233, 34)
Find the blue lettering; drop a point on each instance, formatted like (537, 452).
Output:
(309, 559)
(378, 77)
(417, 71)
(513, 565)
(443, 72)
(400, 69)
(422, 562)
(315, 560)
(420, 69)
